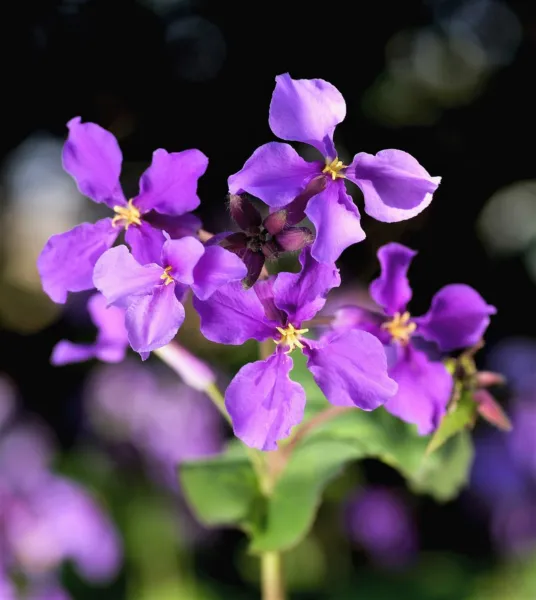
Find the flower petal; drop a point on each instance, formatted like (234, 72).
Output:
(391, 290)
(458, 318)
(306, 110)
(182, 256)
(275, 173)
(216, 268)
(175, 226)
(66, 262)
(264, 403)
(351, 369)
(233, 315)
(355, 317)
(395, 186)
(424, 390)
(301, 295)
(152, 321)
(65, 353)
(119, 277)
(145, 242)
(169, 185)
(109, 320)
(337, 222)
(92, 157)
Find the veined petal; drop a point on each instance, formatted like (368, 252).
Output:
(391, 290)
(145, 242)
(301, 295)
(169, 185)
(92, 157)
(337, 222)
(119, 277)
(152, 321)
(275, 173)
(175, 226)
(306, 110)
(264, 403)
(351, 369)
(233, 315)
(67, 260)
(216, 268)
(395, 186)
(424, 390)
(182, 256)
(458, 318)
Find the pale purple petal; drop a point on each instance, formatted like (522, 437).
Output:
(265, 292)
(169, 185)
(351, 369)
(395, 186)
(301, 295)
(92, 157)
(65, 353)
(66, 262)
(153, 321)
(233, 315)
(264, 403)
(109, 320)
(306, 110)
(458, 318)
(391, 290)
(424, 390)
(355, 317)
(216, 268)
(145, 242)
(182, 256)
(275, 173)
(119, 277)
(337, 222)
(7, 590)
(175, 226)
(49, 590)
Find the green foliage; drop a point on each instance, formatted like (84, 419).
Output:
(461, 417)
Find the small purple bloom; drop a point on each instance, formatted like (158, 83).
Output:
(112, 340)
(379, 521)
(263, 239)
(457, 318)
(264, 403)
(395, 186)
(152, 294)
(168, 190)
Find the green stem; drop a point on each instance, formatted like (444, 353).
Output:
(213, 392)
(272, 576)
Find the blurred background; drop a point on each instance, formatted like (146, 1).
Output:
(446, 80)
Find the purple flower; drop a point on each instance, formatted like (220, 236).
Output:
(264, 403)
(457, 318)
(395, 186)
(379, 521)
(152, 294)
(168, 190)
(264, 239)
(112, 340)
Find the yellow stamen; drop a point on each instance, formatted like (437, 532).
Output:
(166, 276)
(126, 215)
(333, 167)
(290, 337)
(400, 327)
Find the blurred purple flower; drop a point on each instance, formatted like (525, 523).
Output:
(168, 191)
(395, 186)
(516, 359)
(457, 318)
(165, 420)
(46, 519)
(152, 294)
(263, 402)
(378, 520)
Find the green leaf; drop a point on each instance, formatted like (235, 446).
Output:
(297, 494)
(223, 490)
(461, 417)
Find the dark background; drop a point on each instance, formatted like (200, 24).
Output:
(181, 74)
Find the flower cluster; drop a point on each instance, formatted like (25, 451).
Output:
(365, 359)
(46, 519)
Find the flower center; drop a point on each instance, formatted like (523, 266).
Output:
(333, 167)
(126, 215)
(166, 276)
(400, 327)
(290, 337)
